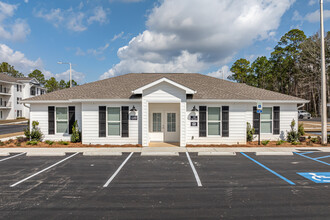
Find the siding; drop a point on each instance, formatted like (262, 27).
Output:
(90, 126)
(39, 112)
(288, 112)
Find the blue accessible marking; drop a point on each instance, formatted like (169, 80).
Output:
(311, 158)
(272, 171)
(323, 177)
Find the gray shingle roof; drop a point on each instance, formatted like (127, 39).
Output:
(7, 78)
(207, 87)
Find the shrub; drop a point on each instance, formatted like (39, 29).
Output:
(76, 134)
(293, 135)
(63, 143)
(49, 142)
(280, 142)
(316, 140)
(32, 143)
(301, 130)
(10, 141)
(295, 142)
(20, 139)
(309, 137)
(18, 144)
(2, 144)
(249, 132)
(35, 134)
(265, 142)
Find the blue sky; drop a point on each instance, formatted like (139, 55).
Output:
(105, 38)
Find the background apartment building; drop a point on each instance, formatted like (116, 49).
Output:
(12, 91)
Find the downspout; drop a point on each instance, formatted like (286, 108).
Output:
(300, 106)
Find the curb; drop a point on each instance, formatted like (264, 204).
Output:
(160, 154)
(216, 153)
(4, 154)
(274, 153)
(45, 154)
(100, 153)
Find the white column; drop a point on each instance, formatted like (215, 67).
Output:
(145, 119)
(183, 125)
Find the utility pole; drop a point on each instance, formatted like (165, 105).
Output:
(323, 81)
(70, 72)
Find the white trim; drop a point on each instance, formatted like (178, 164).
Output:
(245, 101)
(140, 90)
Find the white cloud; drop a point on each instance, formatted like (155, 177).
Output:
(73, 19)
(26, 1)
(221, 73)
(117, 36)
(192, 35)
(99, 15)
(315, 16)
(76, 76)
(13, 30)
(127, 1)
(98, 52)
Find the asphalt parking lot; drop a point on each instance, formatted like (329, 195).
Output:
(131, 186)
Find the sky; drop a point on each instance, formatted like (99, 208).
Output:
(107, 38)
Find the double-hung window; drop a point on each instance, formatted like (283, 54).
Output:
(114, 121)
(61, 120)
(213, 120)
(266, 120)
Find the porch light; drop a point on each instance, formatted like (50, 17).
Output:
(133, 109)
(194, 109)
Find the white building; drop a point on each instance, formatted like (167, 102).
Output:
(173, 108)
(13, 91)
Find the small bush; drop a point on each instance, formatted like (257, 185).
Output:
(20, 139)
(293, 135)
(295, 142)
(301, 130)
(18, 144)
(32, 143)
(63, 143)
(2, 144)
(35, 134)
(249, 132)
(265, 142)
(280, 142)
(76, 134)
(309, 137)
(316, 140)
(10, 141)
(49, 142)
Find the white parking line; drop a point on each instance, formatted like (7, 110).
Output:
(16, 155)
(199, 183)
(117, 171)
(29, 177)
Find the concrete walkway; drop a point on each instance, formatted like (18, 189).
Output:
(106, 151)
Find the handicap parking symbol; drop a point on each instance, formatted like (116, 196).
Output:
(323, 177)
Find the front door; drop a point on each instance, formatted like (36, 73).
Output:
(171, 128)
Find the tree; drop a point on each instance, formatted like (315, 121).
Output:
(262, 70)
(241, 69)
(37, 74)
(10, 70)
(62, 84)
(52, 85)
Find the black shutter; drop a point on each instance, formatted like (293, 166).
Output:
(102, 121)
(51, 120)
(124, 121)
(276, 120)
(225, 121)
(72, 117)
(256, 120)
(202, 121)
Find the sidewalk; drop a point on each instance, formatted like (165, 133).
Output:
(160, 149)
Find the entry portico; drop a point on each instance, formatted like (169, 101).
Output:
(164, 111)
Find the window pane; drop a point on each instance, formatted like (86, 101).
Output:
(62, 127)
(61, 113)
(213, 128)
(214, 114)
(113, 114)
(266, 114)
(114, 128)
(171, 122)
(156, 122)
(266, 127)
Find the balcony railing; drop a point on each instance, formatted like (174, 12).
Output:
(4, 90)
(5, 104)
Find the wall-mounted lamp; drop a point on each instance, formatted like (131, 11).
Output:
(133, 109)
(194, 109)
